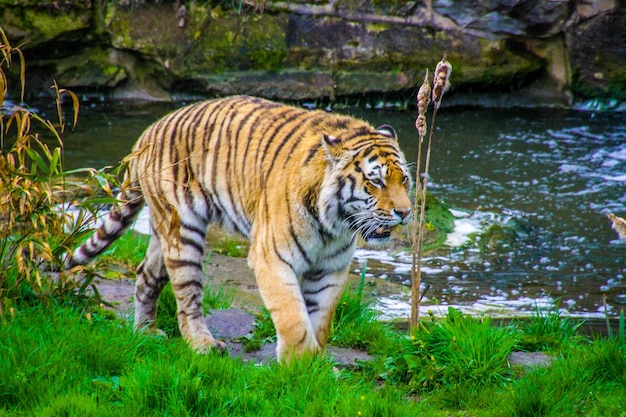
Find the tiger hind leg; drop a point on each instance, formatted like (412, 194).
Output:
(151, 279)
(183, 255)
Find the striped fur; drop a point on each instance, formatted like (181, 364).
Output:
(300, 184)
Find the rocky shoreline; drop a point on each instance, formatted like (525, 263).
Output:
(522, 52)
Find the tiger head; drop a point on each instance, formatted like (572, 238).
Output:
(367, 183)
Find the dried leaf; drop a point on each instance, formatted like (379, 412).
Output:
(174, 228)
(75, 103)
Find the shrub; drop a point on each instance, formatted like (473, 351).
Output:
(454, 351)
(35, 228)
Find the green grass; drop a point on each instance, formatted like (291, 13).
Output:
(356, 322)
(589, 381)
(264, 332)
(233, 246)
(129, 250)
(63, 363)
(547, 330)
(60, 361)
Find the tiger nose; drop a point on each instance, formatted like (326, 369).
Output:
(403, 212)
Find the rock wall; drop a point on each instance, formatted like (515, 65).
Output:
(527, 52)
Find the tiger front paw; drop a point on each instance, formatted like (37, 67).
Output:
(205, 345)
(286, 352)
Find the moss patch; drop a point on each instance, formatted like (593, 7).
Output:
(236, 43)
(48, 25)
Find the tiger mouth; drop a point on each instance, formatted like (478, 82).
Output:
(379, 235)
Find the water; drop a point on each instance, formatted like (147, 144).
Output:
(550, 175)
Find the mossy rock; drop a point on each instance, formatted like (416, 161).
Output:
(502, 238)
(438, 222)
(38, 25)
(496, 66)
(93, 68)
(349, 83)
(235, 43)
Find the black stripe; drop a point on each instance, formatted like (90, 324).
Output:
(294, 236)
(199, 111)
(357, 132)
(153, 281)
(322, 289)
(280, 257)
(288, 116)
(304, 125)
(191, 283)
(314, 275)
(226, 128)
(191, 242)
(309, 201)
(229, 171)
(173, 155)
(312, 152)
(184, 263)
(257, 112)
(343, 249)
(223, 114)
(312, 306)
(341, 183)
(191, 228)
(381, 149)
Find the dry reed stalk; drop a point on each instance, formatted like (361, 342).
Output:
(440, 86)
(422, 102)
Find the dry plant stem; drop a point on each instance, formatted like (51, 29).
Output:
(606, 316)
(415, 312)
(423, 100)
(416, 231)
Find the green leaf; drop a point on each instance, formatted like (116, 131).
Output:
(54, 163)
(98, 200)
(38, 161)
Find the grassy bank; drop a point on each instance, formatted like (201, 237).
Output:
(66, 361)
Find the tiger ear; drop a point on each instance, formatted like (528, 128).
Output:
(331, 140)
(332, 146)
(387, 131)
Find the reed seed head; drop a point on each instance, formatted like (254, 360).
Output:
(423, 95)
(441, 81)
(420, 125)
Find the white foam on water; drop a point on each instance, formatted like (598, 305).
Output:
(397, 307)
(463, 227)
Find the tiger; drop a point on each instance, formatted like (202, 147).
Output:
(302, 185)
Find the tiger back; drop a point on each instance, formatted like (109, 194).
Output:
(301, 185)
